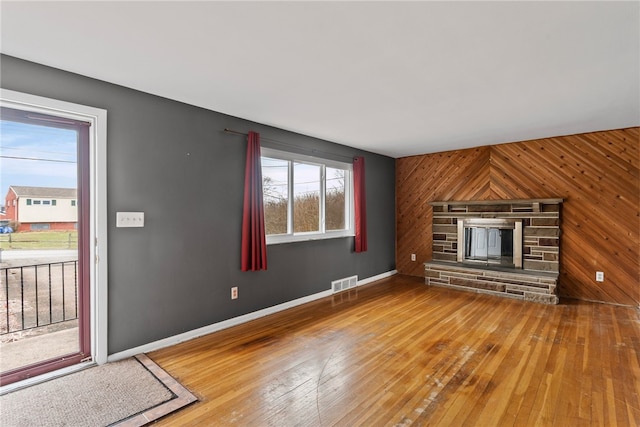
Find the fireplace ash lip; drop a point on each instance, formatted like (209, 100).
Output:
(505, 272)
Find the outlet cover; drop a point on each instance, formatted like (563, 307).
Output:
(413, 257)
(234, 292)
(599, 276)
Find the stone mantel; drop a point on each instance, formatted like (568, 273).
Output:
(498, 202)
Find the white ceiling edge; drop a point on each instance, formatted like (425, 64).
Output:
(397, 79)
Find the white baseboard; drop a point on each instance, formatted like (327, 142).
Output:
(377, 277)
(176, 339)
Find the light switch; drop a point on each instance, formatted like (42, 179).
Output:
(129, 219)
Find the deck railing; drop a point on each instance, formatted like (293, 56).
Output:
(38, 295)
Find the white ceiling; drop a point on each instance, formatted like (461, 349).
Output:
(396, 78)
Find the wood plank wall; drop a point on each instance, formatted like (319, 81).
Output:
(596, 173)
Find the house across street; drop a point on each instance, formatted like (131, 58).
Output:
(41, 208)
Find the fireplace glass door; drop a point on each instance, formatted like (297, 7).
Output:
(490, 242)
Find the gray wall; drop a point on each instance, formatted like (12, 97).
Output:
(174, 162)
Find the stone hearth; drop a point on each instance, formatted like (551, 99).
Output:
(525, 285)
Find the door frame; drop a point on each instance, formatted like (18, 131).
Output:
(97, 217)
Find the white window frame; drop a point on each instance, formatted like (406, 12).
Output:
(349, 230)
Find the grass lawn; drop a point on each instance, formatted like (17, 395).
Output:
(40, 240)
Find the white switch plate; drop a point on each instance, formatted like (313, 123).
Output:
(129, 219)
(599, 276)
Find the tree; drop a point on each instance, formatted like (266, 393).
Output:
(275, 207)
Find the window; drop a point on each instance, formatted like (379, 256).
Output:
(41, 202)
(36, 227)
(305, 197)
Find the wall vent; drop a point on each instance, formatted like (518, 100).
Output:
(344, 284)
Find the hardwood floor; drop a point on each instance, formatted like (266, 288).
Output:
(398, 352)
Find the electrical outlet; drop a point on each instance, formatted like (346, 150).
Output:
(129, 219)
(234, 292)
(599, 276)
(413, 257)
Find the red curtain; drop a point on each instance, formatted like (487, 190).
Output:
(360, 204)
(254, 246)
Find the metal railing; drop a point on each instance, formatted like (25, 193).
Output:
(38, 295)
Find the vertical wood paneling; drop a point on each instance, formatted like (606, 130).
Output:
(453, 175)
(596, 173)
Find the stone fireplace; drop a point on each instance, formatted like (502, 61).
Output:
(500, 247)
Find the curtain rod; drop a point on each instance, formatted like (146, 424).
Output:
(312, 151)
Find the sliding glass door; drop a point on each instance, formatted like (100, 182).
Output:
(44, 243)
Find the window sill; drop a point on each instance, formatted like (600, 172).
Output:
(305, 237)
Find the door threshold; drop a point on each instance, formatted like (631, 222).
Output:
(18, 385)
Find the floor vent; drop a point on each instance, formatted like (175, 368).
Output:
(344, 284)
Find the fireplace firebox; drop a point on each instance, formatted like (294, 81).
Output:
(490, 241)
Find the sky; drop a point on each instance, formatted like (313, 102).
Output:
(36, 156)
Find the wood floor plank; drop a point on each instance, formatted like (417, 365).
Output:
(400, 353)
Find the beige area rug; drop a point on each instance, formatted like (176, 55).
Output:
(131, 392)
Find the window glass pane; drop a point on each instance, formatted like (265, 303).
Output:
(306, 193)
(37, 227)
(275, 194)
(335, 200)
